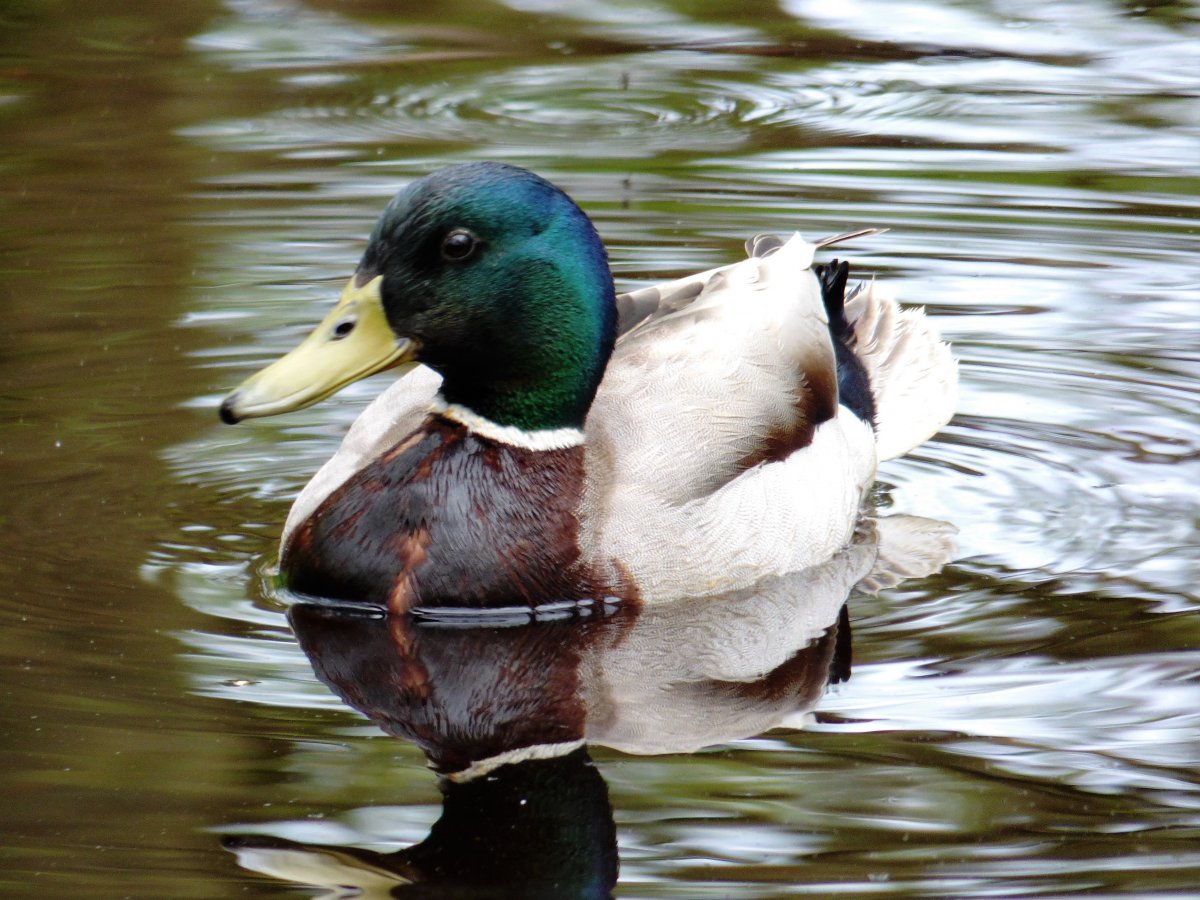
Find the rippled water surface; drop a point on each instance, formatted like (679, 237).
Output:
(186, 186)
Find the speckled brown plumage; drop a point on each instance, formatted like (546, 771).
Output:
(449, 518)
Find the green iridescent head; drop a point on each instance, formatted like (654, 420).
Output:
(486, 273)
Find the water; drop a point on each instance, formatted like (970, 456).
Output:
(185, 188)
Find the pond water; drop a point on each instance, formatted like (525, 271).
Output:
(185, 187)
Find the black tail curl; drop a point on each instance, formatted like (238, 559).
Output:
(854, 386)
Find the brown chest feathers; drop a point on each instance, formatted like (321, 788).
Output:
(447, 518)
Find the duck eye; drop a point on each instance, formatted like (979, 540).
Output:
(458, 245)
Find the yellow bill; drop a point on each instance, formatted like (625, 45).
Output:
(352, 342)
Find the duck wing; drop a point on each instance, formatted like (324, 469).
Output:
(716, 373)
(717, 415)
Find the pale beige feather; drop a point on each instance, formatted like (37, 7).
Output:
(687, 397)
(913, 376)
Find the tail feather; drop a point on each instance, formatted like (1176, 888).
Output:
(907, 547)
(913, 377)
(833, 277)
(854, 383)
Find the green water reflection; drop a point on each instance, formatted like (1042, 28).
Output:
(184, 186)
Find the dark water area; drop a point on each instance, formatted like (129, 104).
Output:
(184, 188)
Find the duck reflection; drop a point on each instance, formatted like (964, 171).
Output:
(504, 712)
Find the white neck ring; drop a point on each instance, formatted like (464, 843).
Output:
(542, 439)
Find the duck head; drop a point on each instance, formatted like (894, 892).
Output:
(486, 273)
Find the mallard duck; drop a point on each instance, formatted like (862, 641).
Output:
(551, 441)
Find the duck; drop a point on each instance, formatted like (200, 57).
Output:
(552, 442)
